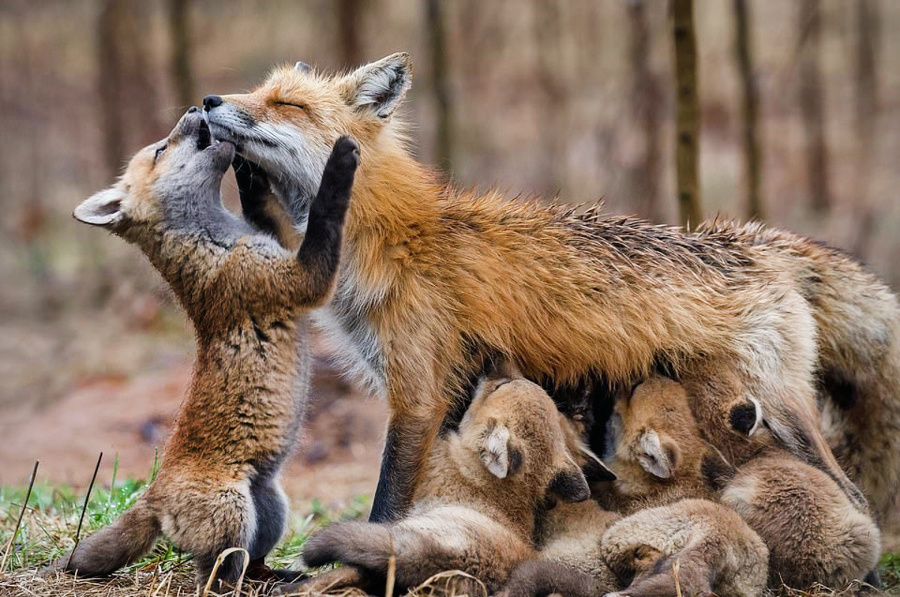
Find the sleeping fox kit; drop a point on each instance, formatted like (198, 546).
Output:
(814, 534)
(475, 507)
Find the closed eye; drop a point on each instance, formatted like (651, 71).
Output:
(292, 104)
(158, 153)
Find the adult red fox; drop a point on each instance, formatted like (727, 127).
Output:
(437, 281)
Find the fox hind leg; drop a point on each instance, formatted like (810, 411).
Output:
(207, 523)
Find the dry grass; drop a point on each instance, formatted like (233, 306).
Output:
(49, 525)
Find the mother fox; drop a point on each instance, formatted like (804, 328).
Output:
(434, 281)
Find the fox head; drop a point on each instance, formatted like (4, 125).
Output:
(287, 125)
(657, 440)
(169, 184)
(514, 433)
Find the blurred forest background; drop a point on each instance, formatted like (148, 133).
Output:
(568, 96)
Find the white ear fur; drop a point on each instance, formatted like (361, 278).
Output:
(101, 209)
(381, 85)
(653, 458)
(759, 416)
(495, 452)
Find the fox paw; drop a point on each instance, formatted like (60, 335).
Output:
(345, 154)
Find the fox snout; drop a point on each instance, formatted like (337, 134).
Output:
(211, 101)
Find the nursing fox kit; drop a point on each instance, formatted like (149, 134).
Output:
(247, 297)
(435, 282)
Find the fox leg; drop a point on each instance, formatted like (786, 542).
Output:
(207, 523)
(271, 505)
(116, 545)
(539, 578)
(407, 445)
(395, 480)
(694, 577)
(259, 205)
(331, 582)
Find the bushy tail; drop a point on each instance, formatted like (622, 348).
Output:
(859, 348)
(114, 546)
(363, 544)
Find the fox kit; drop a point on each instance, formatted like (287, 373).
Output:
(475, 508)
(813, 532)
(659, 456)
(247, 297)
(585, 550)
(437, 281)
(591, 551)
(717, 553)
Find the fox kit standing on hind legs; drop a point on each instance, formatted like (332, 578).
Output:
(436, 281)
(219, 484)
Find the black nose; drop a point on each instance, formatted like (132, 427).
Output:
(211, 101)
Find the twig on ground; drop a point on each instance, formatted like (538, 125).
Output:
(676, 568)
(219, 560)
(87, 498)
(391, 571)
(12, 539)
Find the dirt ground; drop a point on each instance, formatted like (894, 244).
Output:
(130, 418)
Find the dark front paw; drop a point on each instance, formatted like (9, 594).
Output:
(345, 154)
(337, 181)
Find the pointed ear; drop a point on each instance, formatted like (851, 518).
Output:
(380, 86)
(746, 417)
(657, 456)
(496, 453)
(570, 485)
(102, 209)
(506, 368)
(594, 469)
(716, 471)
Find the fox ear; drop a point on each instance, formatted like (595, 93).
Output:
(595, 469)
(496, 453)
(102, 209)
(747, 417)
(657, 456)
(570, 485)
(380, 86)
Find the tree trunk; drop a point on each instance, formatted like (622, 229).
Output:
(180, 66)
(443, 143)
(752, 153)
(868, 36)
(549, 66)
(687, 162)
(349, 17)
(812, 106)
(109, 85)
(646, 98)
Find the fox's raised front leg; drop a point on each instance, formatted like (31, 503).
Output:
(319, 255)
